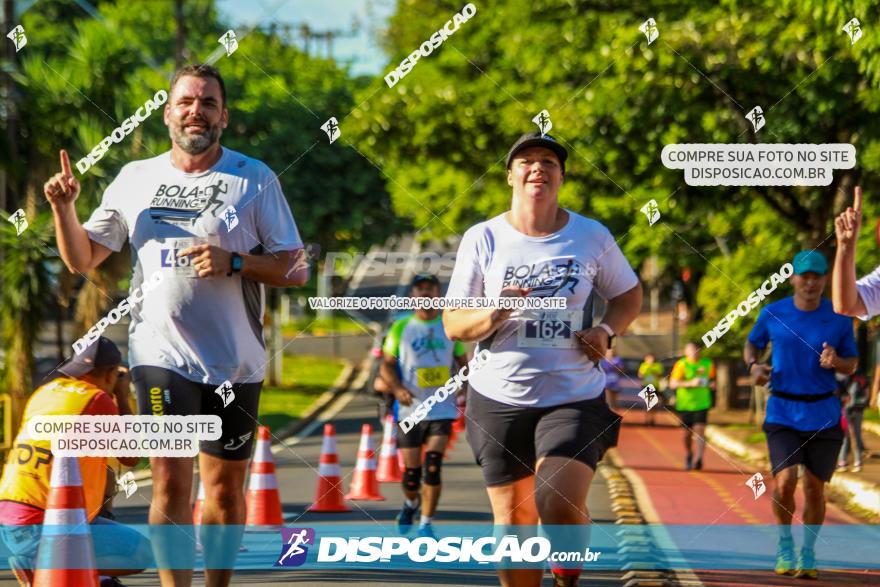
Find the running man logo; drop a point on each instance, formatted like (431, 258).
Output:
(331, 127)
(756, 117)
(19, 220)
(127, 484)
(293, 546)
(649, 27)
(757, 485)
(652, 211)
(225, 392)
(854, 29)
(229, 42)
(543, 121)
(230, 218)
(649, 394)
(18, 38)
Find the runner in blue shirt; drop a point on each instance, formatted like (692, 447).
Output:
(802, 422)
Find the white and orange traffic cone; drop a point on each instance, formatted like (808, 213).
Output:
(389, 471)
(66, 556)
(364, 485)
(263, 502)
(328, 496)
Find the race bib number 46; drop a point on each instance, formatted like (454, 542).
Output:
(180, 265)
(432, 376)
(553, 330)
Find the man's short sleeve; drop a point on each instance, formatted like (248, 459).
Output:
(760, 335)
(276, 228)
(677, 370)
(392, 339)
(107, 226)
(615, 275)
(846, 347)
(467, 276)
(869, 290)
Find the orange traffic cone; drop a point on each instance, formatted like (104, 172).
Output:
(364, 485)
(458, 425)
(388, 471)
(66, 556)
(200, 503)
(263, 502)
(328, 497)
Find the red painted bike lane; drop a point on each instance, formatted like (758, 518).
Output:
(654, 457)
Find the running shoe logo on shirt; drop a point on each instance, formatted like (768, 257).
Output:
(548, 277)
(187, 202)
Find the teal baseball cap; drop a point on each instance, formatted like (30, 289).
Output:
(810, 262)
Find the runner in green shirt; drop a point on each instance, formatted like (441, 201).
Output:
(692, 378)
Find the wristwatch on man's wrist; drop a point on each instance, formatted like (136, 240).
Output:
(610, 333)
(235, 263)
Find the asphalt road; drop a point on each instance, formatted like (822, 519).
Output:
(464, 500)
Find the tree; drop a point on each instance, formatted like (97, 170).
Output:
(615, 101)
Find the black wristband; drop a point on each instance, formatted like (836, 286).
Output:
(752, 364)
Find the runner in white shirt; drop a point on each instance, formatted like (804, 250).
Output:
(202, 324)
(538, 407)
(417, 361)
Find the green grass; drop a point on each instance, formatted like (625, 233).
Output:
(323, 326)
(303, 379)
(756, 438)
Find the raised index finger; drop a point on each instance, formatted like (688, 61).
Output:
(65, 163)
(857, 200)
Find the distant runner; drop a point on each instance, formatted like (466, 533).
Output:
(418, 358)
(693, 379)
(651, 372)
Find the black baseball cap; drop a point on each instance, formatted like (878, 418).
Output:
(101, 353)
(536, 139)
(420, 277)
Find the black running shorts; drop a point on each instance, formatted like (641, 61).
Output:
(508, 440)
(164, 392)
(418, 434)
(817, 450)
(688, 419)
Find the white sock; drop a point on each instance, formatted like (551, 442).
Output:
(425, 520)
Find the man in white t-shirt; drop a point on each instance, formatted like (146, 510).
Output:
(214, 226)
(417, 361)
(538, 404)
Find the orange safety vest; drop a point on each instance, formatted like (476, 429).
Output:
(27, 472)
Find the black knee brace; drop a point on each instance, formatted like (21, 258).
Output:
(412, 478)
(433, 462)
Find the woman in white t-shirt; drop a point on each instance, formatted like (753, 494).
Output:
(537, 407)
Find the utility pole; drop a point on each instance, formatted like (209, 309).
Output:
(181, 34)
(9, 183)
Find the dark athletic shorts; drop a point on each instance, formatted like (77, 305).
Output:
(690, 418)
(418, 434)
(164, 392)
(508, 440)
(816, 450)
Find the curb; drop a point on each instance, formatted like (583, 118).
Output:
(637, 550)
(858, 492)
(872, 427)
